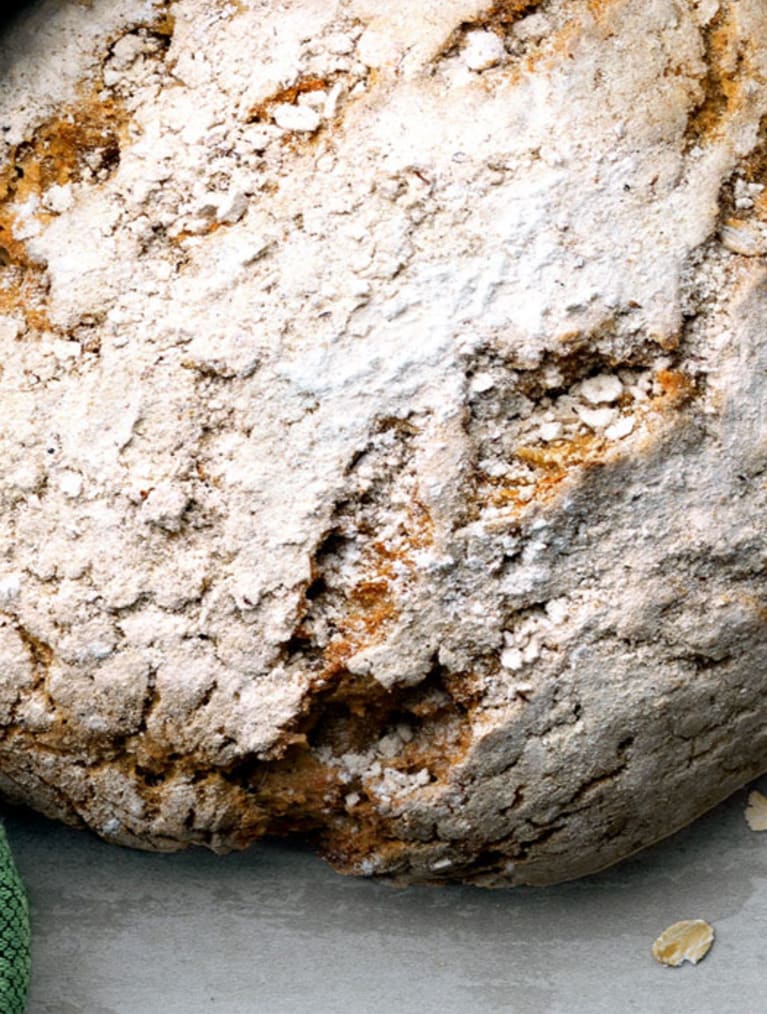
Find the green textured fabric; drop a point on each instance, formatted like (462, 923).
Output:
(14, 935)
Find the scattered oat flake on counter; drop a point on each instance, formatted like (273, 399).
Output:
(756, 811)
(689, 940)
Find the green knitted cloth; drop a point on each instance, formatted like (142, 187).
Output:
(14, 934)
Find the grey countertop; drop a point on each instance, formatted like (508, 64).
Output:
(275, 931)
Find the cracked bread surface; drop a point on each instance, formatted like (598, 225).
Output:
(384, 436)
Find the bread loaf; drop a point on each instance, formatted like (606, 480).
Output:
(383, 425)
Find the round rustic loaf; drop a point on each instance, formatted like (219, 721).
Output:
(384, 424)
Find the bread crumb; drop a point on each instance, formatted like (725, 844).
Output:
(442, 864)
(622, 428)
(597, 418)
(302, 119)
(604, 388)
(483, 50)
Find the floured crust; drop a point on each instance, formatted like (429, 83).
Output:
(384, 425)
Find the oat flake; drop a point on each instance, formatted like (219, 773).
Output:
(689, 940)
(756, 811)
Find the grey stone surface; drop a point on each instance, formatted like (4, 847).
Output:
(275, 931)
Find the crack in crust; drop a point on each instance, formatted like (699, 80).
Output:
(724, 56)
